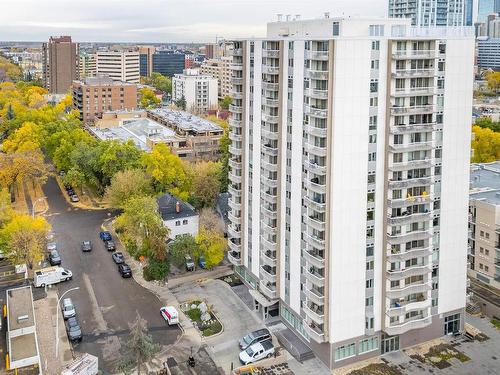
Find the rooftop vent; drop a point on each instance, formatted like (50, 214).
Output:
(22, 318)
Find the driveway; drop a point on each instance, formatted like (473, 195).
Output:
(106, 303)
(235, 316)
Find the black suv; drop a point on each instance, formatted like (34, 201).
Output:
(110, 245)
(86, 246)
(125, 270)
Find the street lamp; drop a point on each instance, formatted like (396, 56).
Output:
(33, 206)
(57, 317)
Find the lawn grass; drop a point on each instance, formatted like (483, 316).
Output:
(496, 323)
(213, 329)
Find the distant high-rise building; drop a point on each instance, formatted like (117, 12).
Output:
(486, 7)
(488, 53)
(96, 95)
(219, 69)
(429, 13)
(168, 63)
(146, 60)
(210, 50)
(199, 90)
(349, 180)
(87, 65)
(469, 12)
(120, 65)
(60, 64)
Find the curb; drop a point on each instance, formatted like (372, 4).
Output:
(75, 204)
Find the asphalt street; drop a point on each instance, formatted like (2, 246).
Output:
(106, 303)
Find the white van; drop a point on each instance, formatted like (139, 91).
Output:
(170, 314)
(51, 275)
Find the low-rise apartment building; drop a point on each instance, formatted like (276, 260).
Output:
(219, 69)
(200, 91)
(93, 96)
(484, 224)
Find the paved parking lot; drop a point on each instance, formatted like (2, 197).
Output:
(235, 316)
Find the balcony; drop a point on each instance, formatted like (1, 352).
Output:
(423, 302)
(314, 241)
(235, 137)
(398, 329)
(234, 191)
(410, 289)
(414, 54)
(268, 228)
(405, 202)
(235, 123)
(409, 218)
(314, 332)
(418, 109)
(234, 177)
(234, 246)
(269, 166)
(402, 256)
(271, 119)
(235, 108)
(269, 258)
(412, 164)
(408, 147)
(273, 53)
(312, 166)
(315, 150)
(317, 132)
(316, 74)
(236, 94)
(409, 73)
(269, 135)
(315, 296)
(266, 244)
(316, 93)
(271, 86)
(314, 204)
(410, 182)
(236, 66)
(315, 112)
(272, 102)
(315, 222)
(316, 55)
(268, 197)
(314, 187)
(266, 69)
(411, 91)
(238, 52)
(268, 274)
(233, 218)
(232, 232)
(410, 271)
(269, 150)
(313, 258)
(315, 313)
(237, 81)
(268, 289)
(315, 278)
(409, 236)
(234, 205)
(234, 258)
(235, 151)
(268, 212)
(413, 128)
(234, 164)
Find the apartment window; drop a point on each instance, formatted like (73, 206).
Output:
(397, 157)
(372, 138)
(345, 351)
(374, 101)
(372, 156)
(177, 223)
(369, 283)
(486, 252)
(486, 268)
(487, 235)
(336, 29)
(434, 302)
(375, 45)
(481, 233)
(374, 86)
(369, 265)
(481, 266)
(369, 323)
(481, 250)
(184, 222)
(369, 251)
(376, 30)
(368, 345)
(375, 64)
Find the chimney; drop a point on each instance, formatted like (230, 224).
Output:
(177, 207)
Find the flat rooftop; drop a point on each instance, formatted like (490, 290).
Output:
(485, 182)
(22, 347)
(103, 81)
(137, 131)
(186, 121)
(20, 304)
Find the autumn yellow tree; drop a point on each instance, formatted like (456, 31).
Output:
(212, 245)
(205, 185)
(148, 99)
(25, 238)
(485, 145)
(21, 166)
(493, 79)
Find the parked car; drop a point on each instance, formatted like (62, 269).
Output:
(255, 337)
(86, 246)
(70, 191)
(118, 257)
(54, 258)
(189, 263)
(51, 246)
(74, 198)
(73, 329)
(105, 236)
(201, 261)
(125, 270)
(110, 245)
(256, 352)
(68, 309)
(170, 314)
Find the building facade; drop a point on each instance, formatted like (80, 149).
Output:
(219, 69)
(60, 64)
(484, 224)
(146, 60)
(487, 7)
(199, 90)
(168, 63)
(430, 13)
(349, 180)
(94, 96)
(488, 53)
(87, 65)
(119, 65)
(178, 216)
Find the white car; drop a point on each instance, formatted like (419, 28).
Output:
(170, 314)
(51, 246)
(256, 352)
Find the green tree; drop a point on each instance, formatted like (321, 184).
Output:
(225, 102)
(148, 99)
(486, 122)
(140, 346)
(26, 238)
(182, 245)
(127, 184)
(159, 82)
(115, 156)
(205, 183)
(181, 103)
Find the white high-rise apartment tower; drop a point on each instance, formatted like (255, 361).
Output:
(349, 176)
(119, 65)
(431, 12)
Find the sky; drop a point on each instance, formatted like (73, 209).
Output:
(161, 20)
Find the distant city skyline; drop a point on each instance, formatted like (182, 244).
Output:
(160, 21)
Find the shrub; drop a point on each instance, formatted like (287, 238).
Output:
(156, 270)
(194, 314)
(212, 329)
